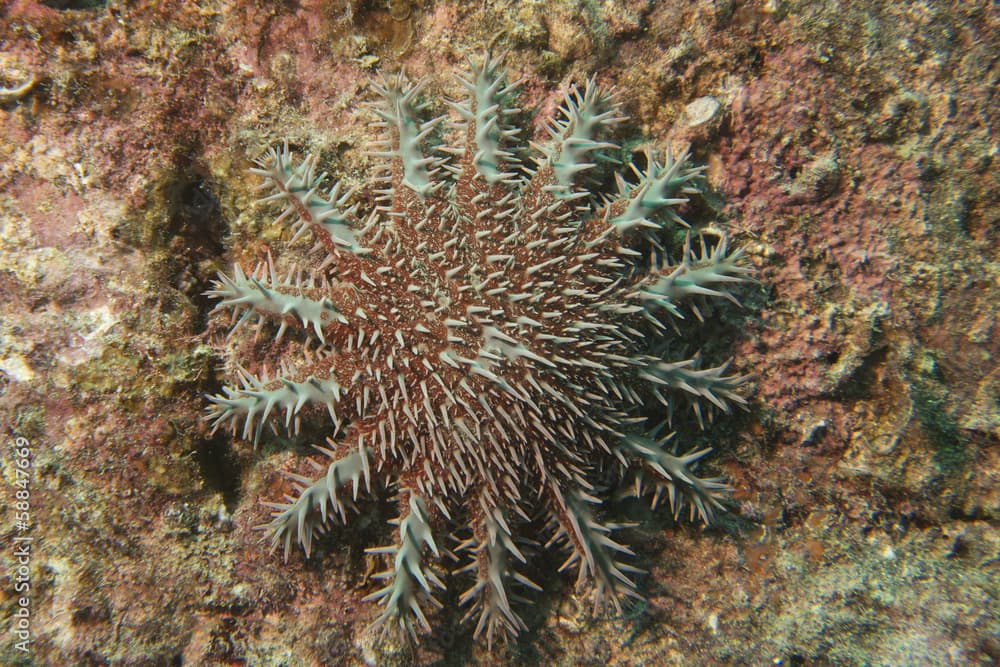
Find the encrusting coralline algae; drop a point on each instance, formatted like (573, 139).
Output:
(486, 340)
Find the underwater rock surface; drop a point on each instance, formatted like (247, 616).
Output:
(859, 182)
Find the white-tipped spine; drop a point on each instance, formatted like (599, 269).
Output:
(410, 581)
(675, 475)
(317, 500)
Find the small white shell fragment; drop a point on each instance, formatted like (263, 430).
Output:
(701, 110)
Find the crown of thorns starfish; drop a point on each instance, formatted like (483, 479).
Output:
(486, 341)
